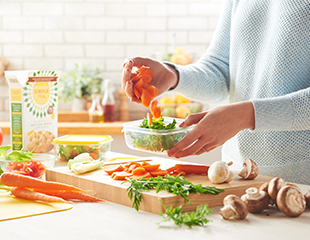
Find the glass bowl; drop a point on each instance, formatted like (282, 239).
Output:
(34, 168)
(152, 140)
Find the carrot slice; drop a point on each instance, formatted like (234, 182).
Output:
(146, 78)
(158, 172)
(151, 168)
(121, 175)
(191, 168)
(171, 169)
(145, 175)
(145, 163)
(146, 98)
(113, 168)
(133, 166)
(139, 171)
(149, 119)
(152, 90)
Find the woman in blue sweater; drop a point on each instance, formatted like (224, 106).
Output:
(259, 57)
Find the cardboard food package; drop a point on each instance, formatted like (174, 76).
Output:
(33, 109)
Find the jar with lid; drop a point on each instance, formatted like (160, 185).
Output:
(96, 111)
(108, 101)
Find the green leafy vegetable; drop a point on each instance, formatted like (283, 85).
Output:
(15, 155)
(189, 219)
(172, 184)
(157, 142)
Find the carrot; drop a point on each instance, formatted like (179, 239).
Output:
(127, 165)
(152, 167)
(146, 98)
(93, 155)
(191, 168)
(23, 181)
(155, 110)
(35, 196)
(121, 175)
(96, 151)
(158, 172)
(171, 169)
(113, 168)
(145, 175)
(87, 147)
(144, 163)
(139, 171)
(133, 166)
(70, 195)
(149, 119)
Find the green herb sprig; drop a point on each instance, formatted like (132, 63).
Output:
(177, 185)
(197, 218)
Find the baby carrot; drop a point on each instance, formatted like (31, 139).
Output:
(35, 196)
(18, 180)
(70, 195)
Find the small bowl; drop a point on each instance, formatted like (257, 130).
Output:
(34, 168)
(152, 140)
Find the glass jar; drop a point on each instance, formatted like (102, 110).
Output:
(96, 111)
(108, 101)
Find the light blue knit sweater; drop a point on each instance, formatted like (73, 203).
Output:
(261, 52)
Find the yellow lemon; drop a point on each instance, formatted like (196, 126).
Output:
(166, 100)
(181, 111)
(180, 99)
(181, 57)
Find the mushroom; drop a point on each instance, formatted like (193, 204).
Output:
(274, 186)
(219, 172)
(234, 208)
(250, 170)
(264, 187)
(291, 201)
(255, 200)
(307, 197)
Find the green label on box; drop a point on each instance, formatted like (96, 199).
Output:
(17, 126)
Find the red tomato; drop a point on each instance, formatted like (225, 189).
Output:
(1, 137)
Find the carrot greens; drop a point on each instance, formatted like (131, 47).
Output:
(172, 184)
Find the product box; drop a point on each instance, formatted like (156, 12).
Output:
(33, 109)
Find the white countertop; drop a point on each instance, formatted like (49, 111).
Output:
(113, 221)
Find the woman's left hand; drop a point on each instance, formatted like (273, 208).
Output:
(214, 128)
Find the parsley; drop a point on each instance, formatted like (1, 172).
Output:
(189, 219)
(177, 185)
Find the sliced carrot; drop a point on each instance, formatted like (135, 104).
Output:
(96, 151)
(171, 169)
(133, 166)
(121, 175)
(146, 98)
(110, 169)
(87, 147)
(191, 168)
(93, 155)
(152, 90)
(144, 163)
(146, 175)
(146, 78)
(127, 165)
(155, 110)
(139, 171)
(149, 119)
(158, 172)
(151, 168)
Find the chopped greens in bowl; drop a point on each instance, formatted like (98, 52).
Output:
(158, 137)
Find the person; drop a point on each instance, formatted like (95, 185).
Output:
(259, 58)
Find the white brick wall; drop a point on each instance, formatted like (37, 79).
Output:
(56, 34)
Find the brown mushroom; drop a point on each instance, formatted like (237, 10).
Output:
(274, 186)
(250, 170)
(264, 187)
(291, 201)
(255, 200)
(234, 208)
(307, 197)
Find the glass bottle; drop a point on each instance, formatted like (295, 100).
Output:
(95, 112)
(108, 101)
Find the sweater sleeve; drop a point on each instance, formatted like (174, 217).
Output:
(207, 80)
(290, 112)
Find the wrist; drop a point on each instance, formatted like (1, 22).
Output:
(250, 115)
(174, 75)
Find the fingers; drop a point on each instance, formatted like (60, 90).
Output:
(193, 119)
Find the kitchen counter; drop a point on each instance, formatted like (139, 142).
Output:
(65, 128)
(113, 221)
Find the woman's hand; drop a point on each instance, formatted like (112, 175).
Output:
(214, 128)
(163, 78)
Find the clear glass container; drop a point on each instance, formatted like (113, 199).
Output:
(96, 111)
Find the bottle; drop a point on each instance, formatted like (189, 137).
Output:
(96, 111)
(108, 101)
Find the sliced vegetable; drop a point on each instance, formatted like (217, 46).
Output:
(81, 158)
(110, 169)
(83, 167)
(191, 168)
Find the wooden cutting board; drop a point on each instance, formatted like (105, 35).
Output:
(114, 191)
(12, 207)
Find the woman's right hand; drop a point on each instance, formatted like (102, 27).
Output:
(164, 77)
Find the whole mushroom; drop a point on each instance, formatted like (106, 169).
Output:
(255, 200)
(307, 197)
(249, 171)
(274, 186)
(291, 201)
(219, 172)
(234, 208)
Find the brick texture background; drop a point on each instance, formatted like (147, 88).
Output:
(56, 34)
